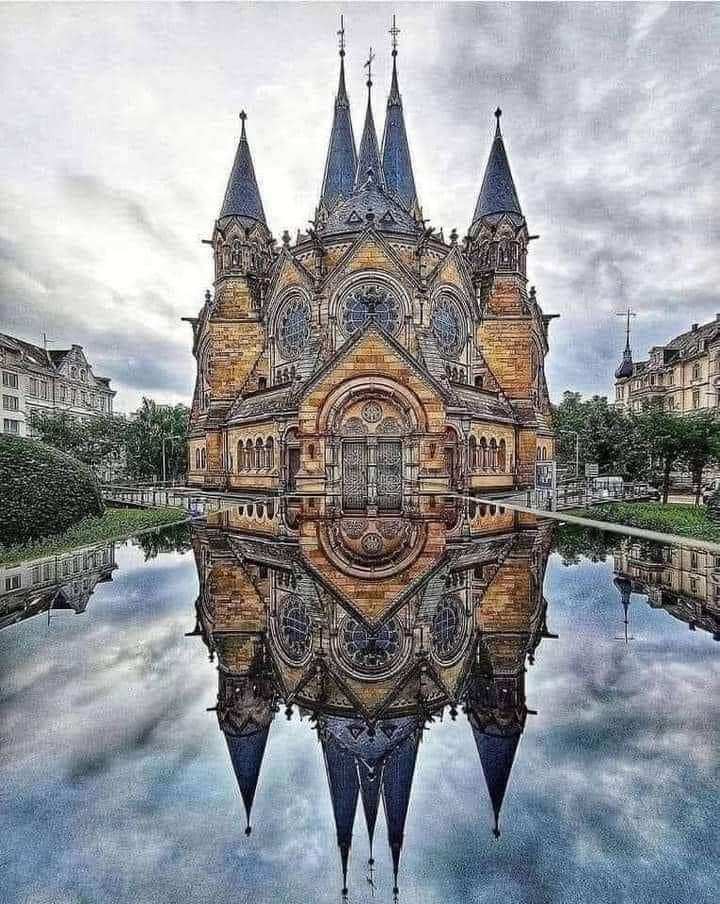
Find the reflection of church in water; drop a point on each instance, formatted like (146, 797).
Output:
(372, 627)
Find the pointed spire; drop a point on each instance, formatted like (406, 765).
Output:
(396, 163)
(344, 788)
(246, 756)
(497, 193)
(497, 754)
(369, 153)
(242, 196)
(370, 787)
(625, 368)
(397, 783)
(341, 161)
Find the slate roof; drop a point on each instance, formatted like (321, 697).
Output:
(260, 404)
(35, 353)
(341, 162)
(686, 343)
(481, 404)
(370, 198)
(242, 196)
(396, 163)
(497, 192)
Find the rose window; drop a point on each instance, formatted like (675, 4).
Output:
(446, 629)
(367, 304)
(295, 628)
(294, 327)
(447, 325)
(370, 650)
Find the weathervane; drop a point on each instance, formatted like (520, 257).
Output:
(368, 66)
(394, 32)
(341, 36)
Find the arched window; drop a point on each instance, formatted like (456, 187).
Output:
(240, 457)
(483, 454)
(502, 455)
(479, 381)
(311, 451)
(197, 459)
(262, 383)
(493, 454)
(270, 453)
(472, 453)
(203, 458)
(259, 453)
(249, 464)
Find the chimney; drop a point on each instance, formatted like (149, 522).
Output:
(694, 327)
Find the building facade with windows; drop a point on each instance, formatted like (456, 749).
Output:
(684, 375)
(36, 379)
(371, 357)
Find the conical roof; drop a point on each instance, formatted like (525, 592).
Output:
(497, 754)
(344, 788)
(497, 192)
(396, 163)
(242, 196)
(246, 756)
(369, 153)
(397, 784)
(341, 162)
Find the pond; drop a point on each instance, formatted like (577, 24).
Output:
(291, 706)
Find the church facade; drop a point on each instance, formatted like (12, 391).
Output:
(372, 358)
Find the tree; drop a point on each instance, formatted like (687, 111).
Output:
(700, 445)
(152, 430)
(93, 442)
(663, 434)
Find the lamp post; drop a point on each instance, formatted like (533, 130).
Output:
(165, 439)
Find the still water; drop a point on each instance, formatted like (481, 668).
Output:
(487, 708)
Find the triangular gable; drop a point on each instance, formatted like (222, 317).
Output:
(287, 272)
(453, 270)
(353, 259)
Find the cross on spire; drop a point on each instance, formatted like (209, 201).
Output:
(394, 32)
(627, 314)
(498, 114)
(368, 66)
(341, 36)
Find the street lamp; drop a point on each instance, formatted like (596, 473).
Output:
(165, 439)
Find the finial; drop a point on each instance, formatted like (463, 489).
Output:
(368, 66)
(243, 117)
(207, 301)
(341, 35)
(394, 32)
(248, 829)
(498, 114)
(286, 239)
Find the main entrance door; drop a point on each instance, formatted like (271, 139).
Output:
(354, 475)
(389, 475)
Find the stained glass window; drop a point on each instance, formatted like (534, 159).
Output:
(447, 325)
(446, 627)
(295, 629)
(370, 649)
(370, 303)
(293, 327)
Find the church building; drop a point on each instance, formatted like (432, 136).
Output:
(372, 358)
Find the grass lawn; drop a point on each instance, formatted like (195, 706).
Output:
(114, 524)
(683, 520)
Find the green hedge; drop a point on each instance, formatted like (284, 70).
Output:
(42, 491)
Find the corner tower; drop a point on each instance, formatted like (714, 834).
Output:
(229, 335)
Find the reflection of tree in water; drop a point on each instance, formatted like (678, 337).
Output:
(573, 541)
(175, 538)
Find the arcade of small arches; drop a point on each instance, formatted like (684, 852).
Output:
(254, 455)
(488, 455)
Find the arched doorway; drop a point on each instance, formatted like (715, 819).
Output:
(371, 434)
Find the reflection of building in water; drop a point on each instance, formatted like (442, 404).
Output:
(372, 627)
(685, 582)
(56, 583)
(372, 357)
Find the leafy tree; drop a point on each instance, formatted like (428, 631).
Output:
(664, 435)
(92, 442)
(151, 429)
(700, 445)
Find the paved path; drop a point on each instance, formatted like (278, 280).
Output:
(609, 527)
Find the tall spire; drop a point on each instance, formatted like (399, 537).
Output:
(497, 754)
(370, 786)
(397, 783)
(369, 153)
(341, 161)
(246, 755)
(625, 367)
(344, 788)
(497, 193)
(396, 163)
(242, 196)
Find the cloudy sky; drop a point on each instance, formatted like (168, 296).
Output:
(117, 784)
(120, 125)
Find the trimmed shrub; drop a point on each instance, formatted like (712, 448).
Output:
(42, 491)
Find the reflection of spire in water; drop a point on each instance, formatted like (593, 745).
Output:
(625, 588)
(246, 755)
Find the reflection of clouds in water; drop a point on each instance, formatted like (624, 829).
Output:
(119, 787)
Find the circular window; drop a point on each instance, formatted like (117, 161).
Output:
(295, 628)
(293, 327)
(446, 629)
(370, 650)
(370, 303)
(447, 325)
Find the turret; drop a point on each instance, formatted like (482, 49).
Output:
(396, 163)
(341, 161)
